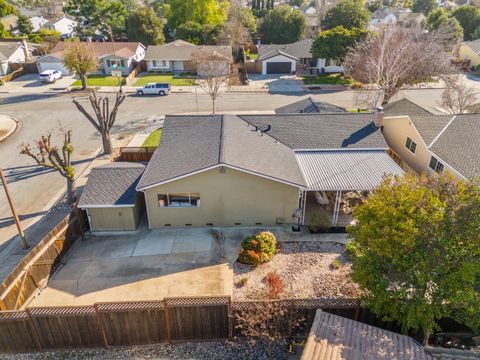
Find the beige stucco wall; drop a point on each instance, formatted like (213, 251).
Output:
(396, 129)
(225, 199)
(117, 218)
(465, 53)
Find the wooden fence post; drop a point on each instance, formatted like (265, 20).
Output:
(230, 320)
(36, 334)
(100, 326)
(357, 310)
(167, 321)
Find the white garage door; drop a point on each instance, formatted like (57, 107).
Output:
(42, 66)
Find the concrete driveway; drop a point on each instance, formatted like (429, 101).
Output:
(29, 83)
(277, 83)
(145, 265)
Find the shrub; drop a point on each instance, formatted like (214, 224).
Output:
(274, 285)
(243, 281)
(258, 248)
(336, 264)
(319, 222)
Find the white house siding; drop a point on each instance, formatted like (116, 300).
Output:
(159, 65)
(278, 59)
(4, 67)
(321, 64)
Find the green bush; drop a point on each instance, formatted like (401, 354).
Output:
(319, 222)
(258, 248)
(336, 264)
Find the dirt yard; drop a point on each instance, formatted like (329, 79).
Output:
(307, 269)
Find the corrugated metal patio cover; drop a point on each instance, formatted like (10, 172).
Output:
(345, 169)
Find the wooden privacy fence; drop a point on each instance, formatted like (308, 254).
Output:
(253, 67)
(34, 270)
(142, 322)
(136, 154)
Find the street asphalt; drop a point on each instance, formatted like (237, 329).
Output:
(34, 189)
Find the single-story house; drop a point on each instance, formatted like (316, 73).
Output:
(284, 59)
(260, 169)
(123, 56)
(64, 26)
(435, 144)
(10, 23)
(334, 337)
(110, 198)
(469, 51)
(396, 16)
(12, 53)
(309, 105)
(180, 56)
(37, 22)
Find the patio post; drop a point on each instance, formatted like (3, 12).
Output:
(336, 208)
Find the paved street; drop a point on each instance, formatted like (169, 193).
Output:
(35, 189)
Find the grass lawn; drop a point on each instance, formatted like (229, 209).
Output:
(159, 78)
(100, 80)
(153, 140)
(329, 79)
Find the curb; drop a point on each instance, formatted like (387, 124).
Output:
(12, 131)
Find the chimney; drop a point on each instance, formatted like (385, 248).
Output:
(378, 119)
(26, 52)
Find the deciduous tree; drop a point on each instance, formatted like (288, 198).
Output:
(335, 43)
(458, 97)
(416, 249)
(50, 156)
(145, 26)
(347, 13)
(424, 6)
(80, 58)
(395, 57)
(282, 25)
(213, 12)
(469, 17)
(104, 117)
(6, 8)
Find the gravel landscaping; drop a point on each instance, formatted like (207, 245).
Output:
(221, 350)
(307, 269)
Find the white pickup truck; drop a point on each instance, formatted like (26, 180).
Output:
(154, 89)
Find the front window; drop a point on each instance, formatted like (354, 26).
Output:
(179, 200)
(411, 145)
(436, 165)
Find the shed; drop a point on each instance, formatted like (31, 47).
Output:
(110, 197)
(334, 337)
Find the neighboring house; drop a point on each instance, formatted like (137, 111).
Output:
(64, 26)
(12, 53)
(37, 22)
(404, 107)
(312, 21)
(10, 23)
(181, 57)
(469, 51)
(309, 105)
(123, 56)
(284, 59)
(436, 144)
(383, 16)
(346, 339)
(410, 19)
(396, 16)
(110, 198)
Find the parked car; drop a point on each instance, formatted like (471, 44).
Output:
(154, 89)
(50, 76)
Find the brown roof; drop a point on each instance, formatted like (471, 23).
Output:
(102, 49)
(334, 337)
(180, 50)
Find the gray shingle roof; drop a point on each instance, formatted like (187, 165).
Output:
(300, 49)
(404, 107)
(345, 169)
(322, 131)
(430, 126)
(474, 45)
(334, 337)
(459, 145)
(184, 52)
(307, 106)
(189, 144)
(112, 184)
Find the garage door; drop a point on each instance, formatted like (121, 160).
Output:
(279, 68)
(42, 66)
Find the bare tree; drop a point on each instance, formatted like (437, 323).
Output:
(236, 32)
(267, 322)
(458, 97)
(47, 155)
(104, 116)
(213, 73)
(395, 57)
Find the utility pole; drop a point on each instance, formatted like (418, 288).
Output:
(24, 243)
